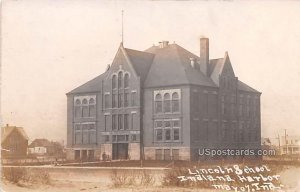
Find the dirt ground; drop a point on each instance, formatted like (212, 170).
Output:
(91, 180)
(71, 186)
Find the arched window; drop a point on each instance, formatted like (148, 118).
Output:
(77, 108)
(126, 80)
(114, 81)
(175, 102)
(92, 108)
(167, 103)
(85, 108)
(120, 77)
(158, 103)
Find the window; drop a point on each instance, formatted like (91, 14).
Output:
(85, 108)
(133, 137)
(167, 130)
(85, 133)
(167, 134)
(126, 80)
(114, 122)
(167, 124)
(167, 103)
(106, 122)
(106, 101)
(158, 130)
(176, 134)
(114, 100)
(78, 136)
(114, 82)
(92, 108)
(121, 138)
(106, 138)
(126, 100)
(120, 122)
(158, 134)
(120, 100)
(126, 121)
(120, 77)
(92, 134)
(158, 124)
(158, 103)
(133, 99)
(78, 113)
(114, 138)
(175, 102)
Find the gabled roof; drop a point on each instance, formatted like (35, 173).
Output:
(216, 67)
(171, 66)
(167, 66)
(91, 86)
(141, 62)
(244, 87)
(6, 131)
(40, 143)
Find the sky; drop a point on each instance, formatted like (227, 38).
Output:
(50, 47)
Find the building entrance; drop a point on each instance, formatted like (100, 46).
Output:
(119, 151)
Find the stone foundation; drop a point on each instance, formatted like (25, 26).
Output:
(184, 152)
(134, 151)
(70, 154)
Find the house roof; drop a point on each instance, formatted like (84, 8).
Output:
(167, 66)
(40, 143)
(93, 85)
(141, 61)
(244, 87)
(7, 130)
(177, 59)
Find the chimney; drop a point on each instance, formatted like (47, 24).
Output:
(204, 55)
(163, 44)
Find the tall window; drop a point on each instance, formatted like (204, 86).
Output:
(106, 122)
(114, 122)
(175, 102)
(158, 130)
(167, 103)
(78, 113)
(167, 130)
(114, 82)
(126, 80)
(176, 128)
(106, 101)
(92, 108)
(114, 100)
(126, 99)
(78, 136)
(120, 100)
(126, 121)
(158, 103)
(120, 122)
(85, 108)
(133, 99)
(92, 133)
(120, 77)
(85, 133)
